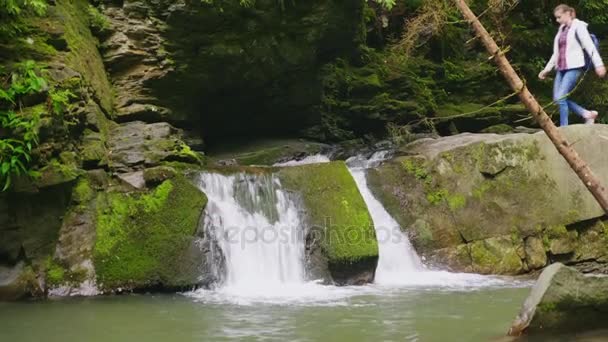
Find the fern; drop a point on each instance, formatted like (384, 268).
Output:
(12, 13)
(18, 133)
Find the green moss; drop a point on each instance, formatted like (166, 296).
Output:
(83, 55)
(142, 239)
(82, 191)
(422, 234)
(416, 168)
(185, 152)
(334, 203)
(55, 273)
(154, 201)
(456, 202)
(496, 256)
(482, 258)
(555, 232)
(437, 197)
(57, 173)
(498, 129)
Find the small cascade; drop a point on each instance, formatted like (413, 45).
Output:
(258, 227)
(397, 258)
(312, 159)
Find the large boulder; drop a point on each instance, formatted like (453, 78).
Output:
(563, 300)
(501, 204)
(148, 240)
(341, 234)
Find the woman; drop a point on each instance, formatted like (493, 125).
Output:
(569, 59)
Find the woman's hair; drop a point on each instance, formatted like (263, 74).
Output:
(565, 8)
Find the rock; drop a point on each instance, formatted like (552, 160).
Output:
(148, 240)
(98, 179)
(147, 113)
(33, 224)
(136, 145)
(93, 150)
(563, 300)
(336, 213)
(71, 266)
(536, 257)
(496, 255)
(191, 57)
(18, 282)
(266, 152)
(159, 174)
(56, 173)
(473, 189)
(134, 179)
(133, 53)
(560, 240)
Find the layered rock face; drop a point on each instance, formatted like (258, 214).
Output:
(96, 168)
(497, 204)
(220, 64)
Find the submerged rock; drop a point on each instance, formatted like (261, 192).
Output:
(563, 300)
(509, 202)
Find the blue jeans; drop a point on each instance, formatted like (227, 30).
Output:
(565, 81)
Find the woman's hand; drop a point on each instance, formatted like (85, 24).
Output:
(543, 74)
(601, 71)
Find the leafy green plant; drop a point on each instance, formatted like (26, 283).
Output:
(98, 21)
(59, 100)
(18, 131)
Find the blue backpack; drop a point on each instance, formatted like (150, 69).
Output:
(588, 62)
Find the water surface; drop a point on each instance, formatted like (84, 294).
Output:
(370, 313)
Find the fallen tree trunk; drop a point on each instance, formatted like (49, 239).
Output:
(563, 146)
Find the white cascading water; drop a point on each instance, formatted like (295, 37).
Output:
(258, 227)
(398, 262)
(397, 258)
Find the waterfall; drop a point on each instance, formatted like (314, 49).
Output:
(397, 258)
(258, 227)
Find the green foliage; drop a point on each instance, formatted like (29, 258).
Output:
(97, 20)
(12, 13)
(18, 133)
(55, 273)
(387, 4)
(59, 100)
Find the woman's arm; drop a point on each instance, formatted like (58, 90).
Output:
(551, 64)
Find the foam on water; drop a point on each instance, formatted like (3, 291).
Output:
(260, 230)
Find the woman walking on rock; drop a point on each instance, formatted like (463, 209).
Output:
(570, 44)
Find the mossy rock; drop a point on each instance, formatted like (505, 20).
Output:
(563, 301)
(469, 188)
(496, 255)
(144, 240)
(334, 204)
